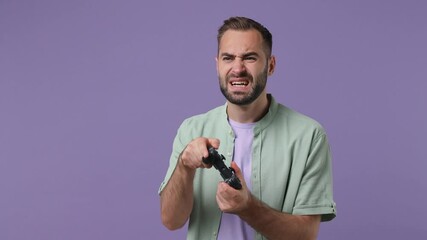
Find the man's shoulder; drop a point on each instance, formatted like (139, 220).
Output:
(216, 112)
(296, 120)
(295, 116)
(212, 116)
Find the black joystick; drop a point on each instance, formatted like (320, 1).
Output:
(217, 160)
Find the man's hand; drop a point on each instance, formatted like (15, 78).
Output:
(269, 222)
(196, 150)
(231, 200)
(176, 199)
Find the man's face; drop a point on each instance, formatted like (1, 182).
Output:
(242, 66)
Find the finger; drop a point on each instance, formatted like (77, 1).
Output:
(236, 169)
(206, 165)
(238, 173)
(221, 195)
(202, 147)
(209, 142)
(213, 142)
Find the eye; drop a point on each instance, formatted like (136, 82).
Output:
(227, 58)
(250, 59)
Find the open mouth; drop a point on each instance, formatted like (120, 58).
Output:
(239, 83)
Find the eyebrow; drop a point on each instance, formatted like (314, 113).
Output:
(242, 56)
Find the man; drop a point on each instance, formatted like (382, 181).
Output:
(280, 156)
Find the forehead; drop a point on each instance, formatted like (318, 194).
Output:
(238, 42)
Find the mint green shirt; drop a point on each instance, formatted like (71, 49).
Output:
(291, 166)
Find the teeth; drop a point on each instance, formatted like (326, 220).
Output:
(239, 83)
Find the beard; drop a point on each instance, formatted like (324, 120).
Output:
(244, 98)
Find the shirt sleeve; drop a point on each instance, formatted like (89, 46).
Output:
(178, 146)
(315, 192)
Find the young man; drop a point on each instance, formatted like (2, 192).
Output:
(280, 156)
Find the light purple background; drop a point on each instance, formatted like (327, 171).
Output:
(92, 92)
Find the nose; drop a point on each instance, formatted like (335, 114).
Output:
(238, 66)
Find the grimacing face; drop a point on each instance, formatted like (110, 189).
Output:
(242, 66)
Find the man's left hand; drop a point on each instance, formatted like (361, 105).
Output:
(231, 200)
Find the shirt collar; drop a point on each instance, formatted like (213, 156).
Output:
(264, 121)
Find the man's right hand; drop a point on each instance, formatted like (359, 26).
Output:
(176, 199)
(193, 154)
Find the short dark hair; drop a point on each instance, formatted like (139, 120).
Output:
(244, 24)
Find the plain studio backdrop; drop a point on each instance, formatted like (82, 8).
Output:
(92, 93)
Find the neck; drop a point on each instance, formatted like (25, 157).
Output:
(249, 113)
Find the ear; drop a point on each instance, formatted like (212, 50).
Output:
(271, 65)
(216, 62)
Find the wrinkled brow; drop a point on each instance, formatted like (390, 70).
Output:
(248, 54)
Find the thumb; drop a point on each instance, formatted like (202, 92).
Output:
(237, 170)
(238, 173)
(213, 142)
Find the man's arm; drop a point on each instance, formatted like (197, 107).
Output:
(269, 222)
(278, 225)
(176, 199)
